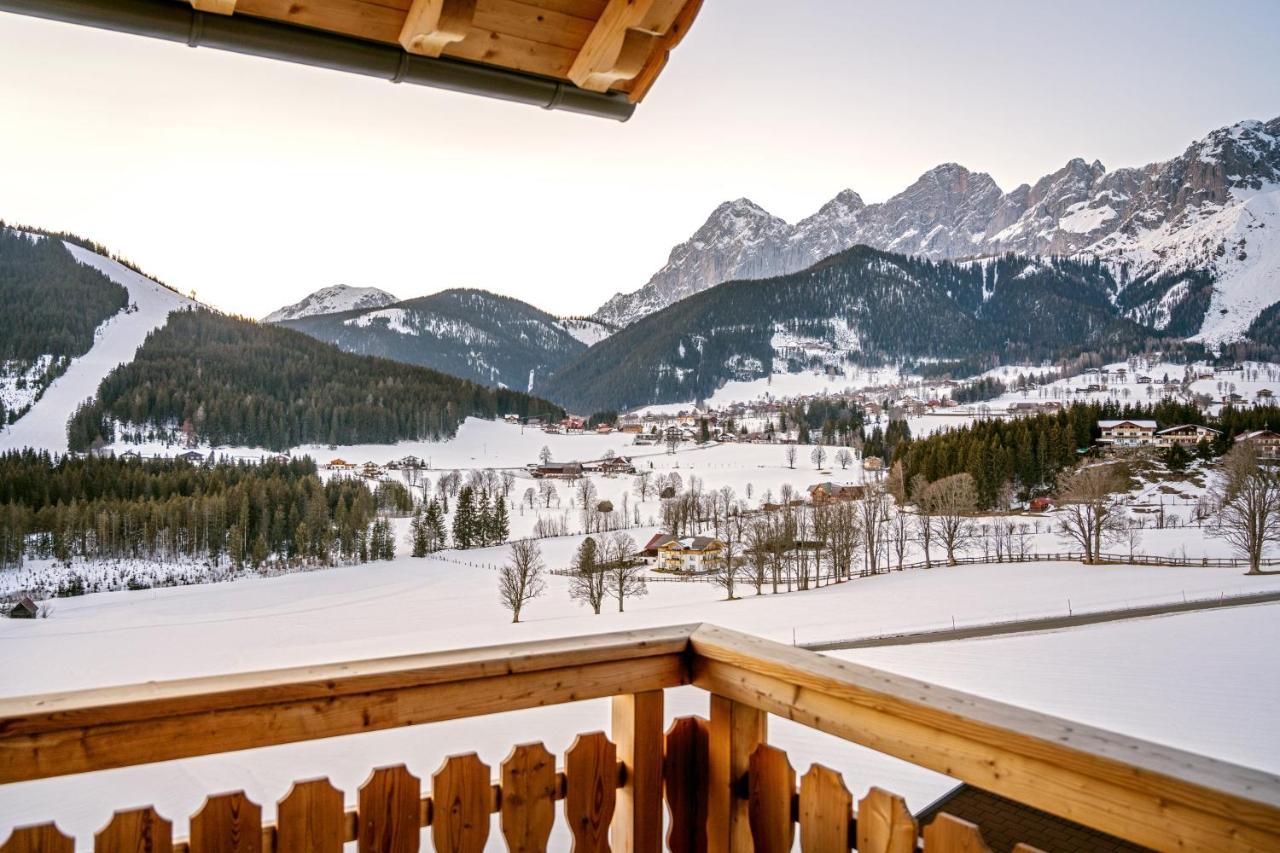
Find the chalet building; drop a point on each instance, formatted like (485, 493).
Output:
(511, 419)
(691, 555)
(573, 422)
(558, 471)
(1186, 435)
(829, 492)
(193, 457)
(617, 465)
(409, 462)
(1264, 395)
(873, 463)
(1144, 380)
(632, 428)
(1265, 442)
(1127, 433)
(655, 543)
(647, 438)
(339, 465)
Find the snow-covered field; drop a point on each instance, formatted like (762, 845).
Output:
(411, 605)
(116, 341)
(1197, 681)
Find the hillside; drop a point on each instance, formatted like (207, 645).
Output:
(1192, 240)
(227, 381)
(476, 335)
(860, 306)
(113, 341)
(52, 305)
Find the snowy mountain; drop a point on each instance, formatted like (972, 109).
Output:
(858, 307)
(472, 334)
(332, 300)
(586, 329)
(1192, 239)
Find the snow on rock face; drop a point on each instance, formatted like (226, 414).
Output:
(115, 342)
(589, 332)
(1212, 208)
(332, 300)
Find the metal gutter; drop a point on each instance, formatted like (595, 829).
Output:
(178, 22)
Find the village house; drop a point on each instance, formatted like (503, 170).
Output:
(339, 465)
(604, 429)
(511, 419)
(558, 470)
(1265, 442)
(873, 463)
(1264, 395)
(1185, 435)
(691, 555)
(829, 492)
(617, 465)
(1127, 433)
(656, 541)
(646, 438)
(193, 457)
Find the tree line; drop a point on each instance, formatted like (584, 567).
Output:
(70, 507)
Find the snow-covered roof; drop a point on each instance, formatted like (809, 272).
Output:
(1182, 427)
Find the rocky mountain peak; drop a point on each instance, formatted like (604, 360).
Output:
(332, 300)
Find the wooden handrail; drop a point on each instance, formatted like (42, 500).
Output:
(1150, 794)
(74, 732)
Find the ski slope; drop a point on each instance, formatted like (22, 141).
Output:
(115, 342)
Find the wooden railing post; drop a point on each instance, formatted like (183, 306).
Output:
(637, 732)
(736, 731)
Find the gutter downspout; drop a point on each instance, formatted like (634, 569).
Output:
(178, 22)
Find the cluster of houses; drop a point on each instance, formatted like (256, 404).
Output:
(375, 470)
(1135, 433)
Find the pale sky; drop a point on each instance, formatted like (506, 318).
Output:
(254, 182)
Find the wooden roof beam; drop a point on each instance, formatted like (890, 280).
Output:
(217, 7)
(622, 42)
(433, 25)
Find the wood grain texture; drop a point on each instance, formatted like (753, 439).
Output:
(772, 785)
(461, 796)
(41, 838)
(227, 823)
(432, 25)
(684, 775)
(1149, 794)
(948, 834)
(389, 812)
(135, 831)
(529, 788)
(637, 732)
(57, 734)
(736, 730)
(826, 812)
(591, 780)
(310, 819)
(885, 824)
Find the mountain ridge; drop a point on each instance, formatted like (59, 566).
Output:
(1156, 221)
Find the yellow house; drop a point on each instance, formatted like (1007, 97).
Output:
(691, 555)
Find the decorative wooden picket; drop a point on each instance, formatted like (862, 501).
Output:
(392, 811)
(724, 787)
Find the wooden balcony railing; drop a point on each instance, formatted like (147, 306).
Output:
(725, 788)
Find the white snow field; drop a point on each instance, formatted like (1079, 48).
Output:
(116, 341)
(1204, 682)
(412, 605)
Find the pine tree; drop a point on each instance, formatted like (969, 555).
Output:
(464, 521)
(484, 521)
(501, 523)
(434, 523)
(420, 533)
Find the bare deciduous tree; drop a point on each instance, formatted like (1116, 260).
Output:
(790, 454)
(844, 458)
(873, 511)
(520, 578)
(924, 523)
(624, 577)
(728, 568)
(547, 491)
(1249, 495)
(644, 485)
(952, 502)
(544, 455)
(1088, 507)
(818, 456)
